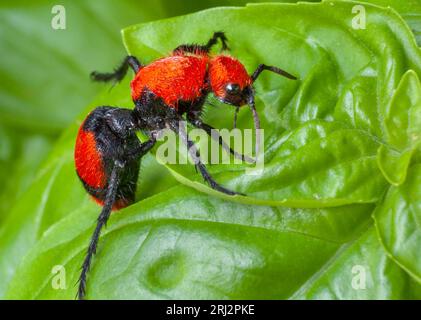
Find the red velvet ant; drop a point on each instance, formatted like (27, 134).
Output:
(108, 152)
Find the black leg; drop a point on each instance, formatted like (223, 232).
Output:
(141, 149)
(194, 153)
(101, 222)
(119, 72)
(122, 123)
(214, 134)
(194, 48)
(263, 67)
(212, 41)
(237, 109)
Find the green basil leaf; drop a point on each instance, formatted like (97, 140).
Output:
(20, 158)
(195, 246)
(403, 129)
(201, 247)
(361, 270)
(410, 10)
(318, 164)
(398, 221)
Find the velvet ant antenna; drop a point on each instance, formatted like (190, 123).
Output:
(277, 70)
(253, 77)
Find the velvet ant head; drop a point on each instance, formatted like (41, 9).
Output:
(230, 83)
(229, 80)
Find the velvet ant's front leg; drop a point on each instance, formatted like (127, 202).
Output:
(194, 153)
(194, 48)
(212, 132)
(119, 72)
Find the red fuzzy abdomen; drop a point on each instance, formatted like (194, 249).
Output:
(88, 160)
(173, 79)
(118, 204)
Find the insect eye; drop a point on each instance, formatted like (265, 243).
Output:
(232, 88)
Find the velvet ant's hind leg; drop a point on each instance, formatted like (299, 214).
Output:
(111, 194)
(194, 48)
(113, 185)
(194, 153)
(212, 132)
(119, 72)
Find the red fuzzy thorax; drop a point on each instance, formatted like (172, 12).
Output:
(225, 69)
(173, 79)
(88, 160)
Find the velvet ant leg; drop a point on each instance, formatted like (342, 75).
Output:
(112, 188)
(212, 41)
(194, 153)
(237, 109)
(214, 135)
(141, 149)
(188, 48)
(279, 71)
(194, 48)
(119, 72)
(122, 123)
